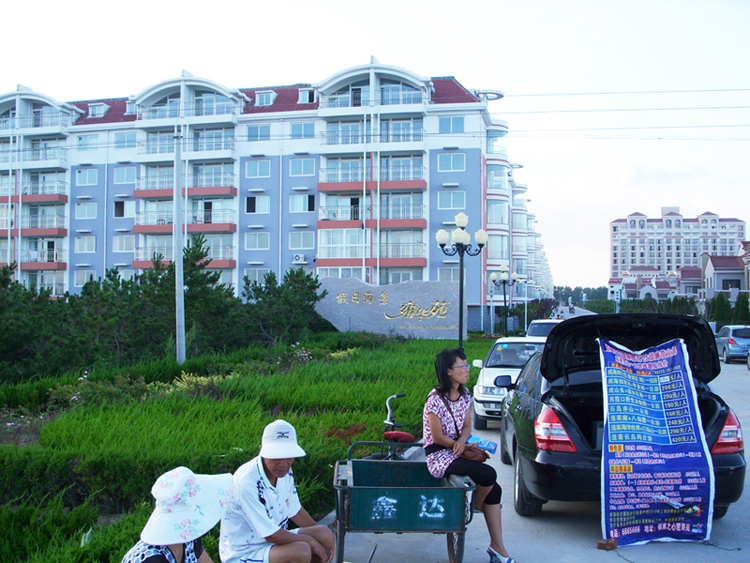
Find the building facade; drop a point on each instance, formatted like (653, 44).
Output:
(670, 242)
(350, 177)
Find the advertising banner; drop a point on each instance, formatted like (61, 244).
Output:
(657, 474)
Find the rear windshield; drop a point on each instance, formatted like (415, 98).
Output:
(540, 329)
(512, 354)
(741, 333)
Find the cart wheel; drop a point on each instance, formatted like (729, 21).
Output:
(455, 546)
(340, 532)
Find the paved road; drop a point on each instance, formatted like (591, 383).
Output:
(569, 532)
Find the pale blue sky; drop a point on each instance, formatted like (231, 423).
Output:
(578, 181)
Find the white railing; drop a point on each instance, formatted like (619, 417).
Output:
(221, 253)
(384, 98)
(407, 211)
(386, 174)
(342, 212)
(55, 255)
(51, 187)
(159, 183)
(154, 218)
(403, 250)
(43, 221)
(208, 216)
(149, 252)
(219, 144)
(212, 108)
(343, 251)
(212, 179)
(358, 137)
(158, 112)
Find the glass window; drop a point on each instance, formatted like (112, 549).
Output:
(497, 247)
(453, 124)
(301, 240)
(258, 132)
(497, 211)
(451, 162)
(125, 140)
(87, 177)
(86, 243)
(264, 99)
(256, 274)
(447, 274)
(302, 167)
(258, 169)
(257, 240)
(125, 175)
(83, 276)
(87, 142)
(123, 243)
(86, 210)
(303, 130)
(452, 199)
(124, 209)
(258, 204)
(299, 203)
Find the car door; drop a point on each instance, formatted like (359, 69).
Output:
(522, 407)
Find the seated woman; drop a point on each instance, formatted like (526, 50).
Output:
(187, 507)
(446, 426)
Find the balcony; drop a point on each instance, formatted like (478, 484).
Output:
(355, 212)
(212, 221)
(362, 99)
(44, 121)
(152, 222)
(45, 157)
(391, 177)
(213, 149)
(4, 258)
(43, 225)
(161, 187)
(47, 259)
(337, 138)
(222, 257)
(213, 112)
(213, 184)
(403, 250)
(144, 257)
(52, 191)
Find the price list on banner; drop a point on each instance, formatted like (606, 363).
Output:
(657, 475)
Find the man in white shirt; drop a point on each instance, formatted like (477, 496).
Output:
(254, 527)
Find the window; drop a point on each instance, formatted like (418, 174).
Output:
(87, 142)
(345, 272)
(258, 204)
(301, 240)
(306, 97)
(453, 124)
(256, 274)
(264, 98)
(97, 110)
(83, 276)
(299, 203)
(451, 162)
(303, 130)
(86, 243)
(302, 167)
(123, 243)
(124, 209)
(344, 243)
(86, 210)
(125, 175)
(452, 199)
(258, 169)
(125, 140)
(257, 240)
(258, 132)
(497, 247)
(87, 177)
(447, 274)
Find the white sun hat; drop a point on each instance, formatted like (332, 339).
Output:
(280, 441)
(187, 506)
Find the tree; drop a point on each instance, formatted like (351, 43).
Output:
(720, 310)
(741, 311)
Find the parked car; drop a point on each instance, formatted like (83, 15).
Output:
(542, 327)
(506, 357)
(733, 342)
(559, 391)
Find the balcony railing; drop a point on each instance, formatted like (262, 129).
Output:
(55, 289)
(51, 187)
(403, 250)
(221, 252)
(343, 251)
(208, 216)
(222, 144)
(54, 255)
(384, 98)
(403, 212)
(205, 109)
(149, 252)
(45, 153)
(4, 222)
(159, 183)
(43, 221)
(358, 138)
(4, 258)
(211, 179)
(354, 212)
(160, 146)
(36, 120)
(386, 174)
(154, 218)
(158, 112)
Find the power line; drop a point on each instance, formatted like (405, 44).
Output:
(628, 93)
(514, 131)
(620, 110)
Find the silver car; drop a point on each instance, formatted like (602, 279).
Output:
(506, 357)
(733, 342)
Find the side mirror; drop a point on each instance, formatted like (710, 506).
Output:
(522, 333)
(503, 381)
(477, 364)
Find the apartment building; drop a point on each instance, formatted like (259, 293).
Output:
(349, 177)
(671, 241)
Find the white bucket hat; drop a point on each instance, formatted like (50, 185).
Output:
(187, 506)
(280, 441)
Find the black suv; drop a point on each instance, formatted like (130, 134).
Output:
(559, 393)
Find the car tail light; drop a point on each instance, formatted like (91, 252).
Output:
(731, 341)
(730, 441)
(550, 434)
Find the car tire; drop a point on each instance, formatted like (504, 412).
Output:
(480, 423)
(504, 456)
(748, 362)
(726, 357)
(720, 510)
(521, 494)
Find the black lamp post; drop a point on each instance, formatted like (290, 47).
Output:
(461, 245)
(505, 280)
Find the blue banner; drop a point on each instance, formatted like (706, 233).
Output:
(657, 472)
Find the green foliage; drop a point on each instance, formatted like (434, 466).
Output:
(719, 310)
(741, 310)
(600, 306)
(676, 306)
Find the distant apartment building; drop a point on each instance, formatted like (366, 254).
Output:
(350, 177)
(670, 242)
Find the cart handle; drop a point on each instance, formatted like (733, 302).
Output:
(382, 444)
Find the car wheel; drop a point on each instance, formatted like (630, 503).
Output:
(521, 494)
(480, 423)
(720, 510)
(726, 356)
(504, 456)
(748, 361)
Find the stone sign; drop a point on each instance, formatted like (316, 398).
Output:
(414, 309)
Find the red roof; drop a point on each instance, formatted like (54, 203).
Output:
(114, 114)
(448, 90)
(690, 273)
(727, 262)
(285, 100)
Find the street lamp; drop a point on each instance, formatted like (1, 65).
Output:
(461, 245)
(526, 283)
(505, 280)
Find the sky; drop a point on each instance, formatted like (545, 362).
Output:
(613, 106)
